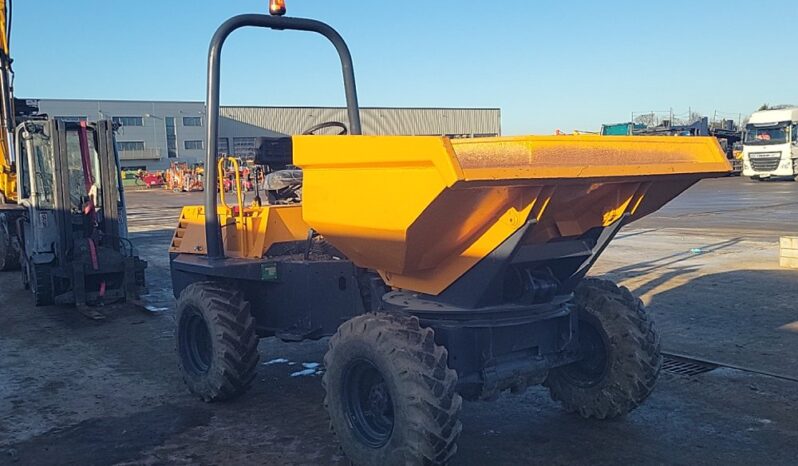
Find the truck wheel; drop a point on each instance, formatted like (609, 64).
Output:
(41, 283)
(9, 258)
(217, 346)
(390, 393)
(621, 351)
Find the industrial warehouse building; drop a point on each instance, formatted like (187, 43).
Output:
(154, 133)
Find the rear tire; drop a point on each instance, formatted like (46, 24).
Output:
(622, 356)
(217, 345)
(41, 284)
(25, 275)
(390, 393)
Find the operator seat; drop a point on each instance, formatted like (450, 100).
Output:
(276, 153)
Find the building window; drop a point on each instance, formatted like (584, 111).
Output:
(244, 147)
(129, 145)
(171, 137)
(72, 119)
(224, 146)
(192, 145)
(128, 121)
(192, 121)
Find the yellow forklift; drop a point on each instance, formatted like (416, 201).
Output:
(442, 269)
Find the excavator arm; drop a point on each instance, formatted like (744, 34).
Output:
(8, 178)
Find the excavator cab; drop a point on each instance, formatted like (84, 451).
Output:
(72, 233)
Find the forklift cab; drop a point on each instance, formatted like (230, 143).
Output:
(73, 235)
(57, 179)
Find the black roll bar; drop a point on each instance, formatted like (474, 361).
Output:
(212, 229)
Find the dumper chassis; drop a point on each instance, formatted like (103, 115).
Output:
(401, 359)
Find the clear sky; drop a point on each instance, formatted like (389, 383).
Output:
(548, 65)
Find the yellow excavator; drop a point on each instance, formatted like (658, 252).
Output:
(62, 210)
(9, 256)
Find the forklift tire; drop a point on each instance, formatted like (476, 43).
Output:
(217, 346)
(9, 259)
(25, 279)
(41, 283)
(622, 354)
(390, 393)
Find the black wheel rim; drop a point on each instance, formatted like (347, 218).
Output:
(197, 348)
(368, 404)
(591, 369)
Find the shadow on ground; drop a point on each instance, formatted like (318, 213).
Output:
(665, 269)
(743, 317)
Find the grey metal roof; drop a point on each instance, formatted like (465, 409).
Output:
(376, 121)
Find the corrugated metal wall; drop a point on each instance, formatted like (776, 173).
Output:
(376, 121)
(239, 126)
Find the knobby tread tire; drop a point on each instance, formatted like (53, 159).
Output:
(633, 347)
(9, 259)
(422, 387)
(231, 326)
(41, 285)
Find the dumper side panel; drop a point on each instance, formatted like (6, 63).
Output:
(363, 197)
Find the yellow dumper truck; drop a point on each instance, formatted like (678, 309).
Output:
(442, 269)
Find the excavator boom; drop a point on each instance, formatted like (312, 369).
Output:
(8, 178)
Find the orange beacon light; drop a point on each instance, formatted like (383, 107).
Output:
(277, 7)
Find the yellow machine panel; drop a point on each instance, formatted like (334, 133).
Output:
(248, 235)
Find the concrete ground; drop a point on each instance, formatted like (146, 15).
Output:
(74, 391)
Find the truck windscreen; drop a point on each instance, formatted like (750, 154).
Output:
(765, 135)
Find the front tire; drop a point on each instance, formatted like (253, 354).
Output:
(216, 341)
(621, 350)
(9, 258)
(390, 393)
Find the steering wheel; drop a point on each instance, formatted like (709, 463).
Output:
(327, 124)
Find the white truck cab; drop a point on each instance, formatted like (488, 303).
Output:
(770, 144)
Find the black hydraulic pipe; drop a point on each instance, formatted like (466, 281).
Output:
(212, 229)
